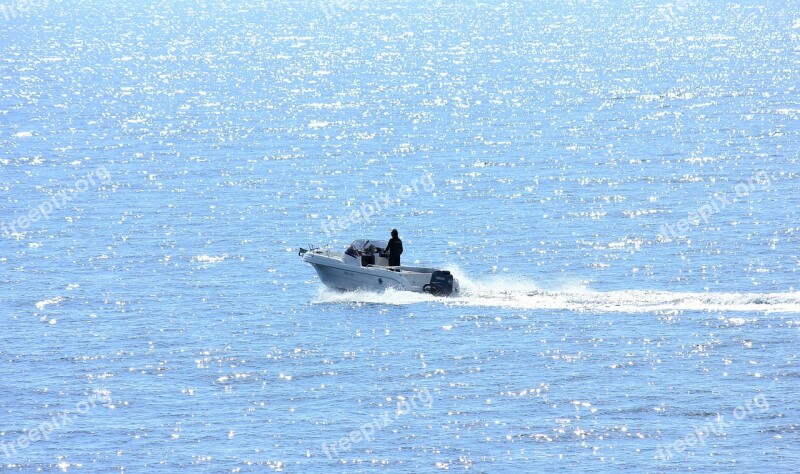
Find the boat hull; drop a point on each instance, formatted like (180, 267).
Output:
(336, 274)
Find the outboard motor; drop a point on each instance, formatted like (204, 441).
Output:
(441, 283)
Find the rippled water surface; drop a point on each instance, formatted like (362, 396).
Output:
(615, 184)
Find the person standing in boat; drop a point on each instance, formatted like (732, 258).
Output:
(394, 249)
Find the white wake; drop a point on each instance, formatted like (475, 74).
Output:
(517, 292)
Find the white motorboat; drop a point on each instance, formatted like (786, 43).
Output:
(363, 265)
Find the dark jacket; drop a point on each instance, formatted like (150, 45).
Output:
(394, 249)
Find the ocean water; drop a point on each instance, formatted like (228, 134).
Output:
(615, 184)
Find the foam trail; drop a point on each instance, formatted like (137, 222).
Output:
(389, 296)
(637, 301)
(517, 292)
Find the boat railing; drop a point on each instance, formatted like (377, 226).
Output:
(414, 269)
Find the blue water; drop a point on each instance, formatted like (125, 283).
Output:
(615, 184)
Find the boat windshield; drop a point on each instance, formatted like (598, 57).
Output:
(366, 247)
